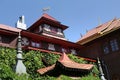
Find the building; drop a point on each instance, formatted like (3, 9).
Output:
(104, 42)
(45, 35)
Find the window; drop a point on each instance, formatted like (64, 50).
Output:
(59, 31)
(106, 49)
(53, 29)
(114, 45)
(35, 44)
(51, 47)
(73, 51)
(47, 27)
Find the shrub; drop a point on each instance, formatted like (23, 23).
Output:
(33, 62)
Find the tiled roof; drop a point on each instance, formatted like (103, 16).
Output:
(49, 17)
(66, 62)
(9, 28)
(99, 31)
(46, 69)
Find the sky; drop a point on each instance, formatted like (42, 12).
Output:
(79, 15)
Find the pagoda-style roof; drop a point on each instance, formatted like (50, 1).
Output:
(65, 65)
(47, 19)
(100, 31)
(67, 62)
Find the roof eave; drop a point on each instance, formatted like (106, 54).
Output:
(95, 36)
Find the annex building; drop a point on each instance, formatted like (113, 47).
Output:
(103, 41)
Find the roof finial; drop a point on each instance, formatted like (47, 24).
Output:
(45, 9)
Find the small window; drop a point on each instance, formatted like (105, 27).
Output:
(73, 51)
(38, 45)
(51, 47)
(106, 48)
(47, 27)
(35, 44)
(53, 29)
(59, 31)
(114, 45)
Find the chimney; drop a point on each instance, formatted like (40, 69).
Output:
(21, 23)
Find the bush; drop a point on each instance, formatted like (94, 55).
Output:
(33, 62)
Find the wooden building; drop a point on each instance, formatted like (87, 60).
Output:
(45, 35)
(104, 42)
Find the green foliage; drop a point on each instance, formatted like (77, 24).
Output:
(90, 77)
(63, 77)
(76, 59)
(6, 73)
(33, 62)
(50, 58)
(7, 63)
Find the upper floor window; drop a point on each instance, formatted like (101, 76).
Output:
(53, 29)
(106, 49)
(35, 44)
(47, 27)
(51, 47)
(25, 41)
(114, 45)
(59, 31)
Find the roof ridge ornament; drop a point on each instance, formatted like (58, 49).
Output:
(21, 23)
(46, 9)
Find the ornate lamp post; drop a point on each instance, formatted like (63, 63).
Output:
(20, 67)
(101, 71)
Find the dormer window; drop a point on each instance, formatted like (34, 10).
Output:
(47, 27)
(51, 47)
(59, 31)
